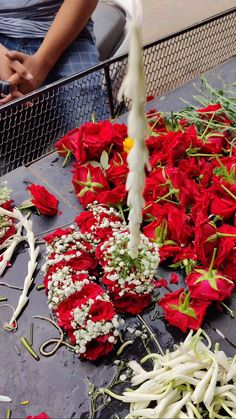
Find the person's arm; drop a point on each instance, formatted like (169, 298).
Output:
(68, 23)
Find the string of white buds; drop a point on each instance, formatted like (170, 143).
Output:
(133, 87)
(33, 253)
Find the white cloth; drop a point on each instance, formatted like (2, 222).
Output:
(27, 18)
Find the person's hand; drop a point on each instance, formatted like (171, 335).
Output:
(35, 67)
(13, 76)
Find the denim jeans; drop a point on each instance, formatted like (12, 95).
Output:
(81, 54)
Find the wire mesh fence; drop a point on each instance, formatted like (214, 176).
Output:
(28, 132)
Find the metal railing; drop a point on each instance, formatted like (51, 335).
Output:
(26, 133)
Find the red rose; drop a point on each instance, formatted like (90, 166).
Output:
(88, 223)
(70, 144)
(215, 143)
(130, 302)
(223, 206)
(66, 307)
(119, 135)
(156, 185)
(179, 227)
(182, 313)
(101, 310)
(177, 143)
(116, 195)
(85, 220)
(42, 415)
(207, 287)
(153, 231)
(214, 112)
(75, 275)
(161, 283)
(57, 234)
(174, 279)
(66, 143)
(169, 251)
(96, 137)
(84, 261)
(88, 182)
(45, 202)
(202, 231)
(226, 255)
(97, 348)
(118, 169)
(226, 169)
(8, 205)
(153, 210)
(188, 188)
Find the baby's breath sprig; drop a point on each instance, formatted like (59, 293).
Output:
(121, 268)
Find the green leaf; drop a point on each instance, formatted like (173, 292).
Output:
(213, 284)
(189, 312)
(94, 163)
(174, 306)
(104, 160)
(97, 185)
(83, 192)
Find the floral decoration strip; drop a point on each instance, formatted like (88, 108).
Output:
(76, 259)
(190, 195)
(11, 236)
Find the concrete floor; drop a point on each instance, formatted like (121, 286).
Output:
(163, 17)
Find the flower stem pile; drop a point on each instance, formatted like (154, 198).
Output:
(192, 381)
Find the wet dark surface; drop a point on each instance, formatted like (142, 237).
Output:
(59, 384)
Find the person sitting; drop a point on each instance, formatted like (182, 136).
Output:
(42, 41)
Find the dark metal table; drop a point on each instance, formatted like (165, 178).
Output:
(59, 384)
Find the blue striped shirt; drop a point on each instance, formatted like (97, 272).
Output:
(27, 18)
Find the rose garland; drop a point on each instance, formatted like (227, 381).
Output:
(190, 195)
(75, 259)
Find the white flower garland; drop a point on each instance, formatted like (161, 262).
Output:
(33, 253)
(133, 87)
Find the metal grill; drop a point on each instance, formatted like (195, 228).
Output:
(26, 133)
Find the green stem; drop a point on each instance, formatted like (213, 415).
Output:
(171, 192)
(228, 191)
(24, 207)
(231, 312)
(225, 235)
(8, 414)
(212, 263)
(123, 346)
(110, 393)
(152, 335)
(40, 287)
(203, 155)
(31, 334)
(208, 125)
(3, 299)
(119, 206)
(27, 346)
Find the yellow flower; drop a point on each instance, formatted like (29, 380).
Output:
(128, 144)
